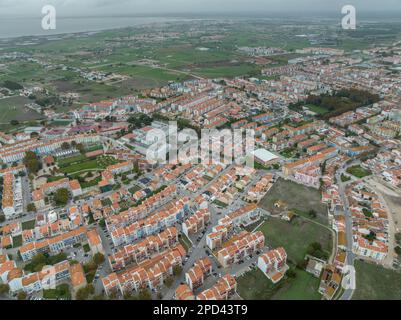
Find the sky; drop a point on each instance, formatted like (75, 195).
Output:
(138, 7)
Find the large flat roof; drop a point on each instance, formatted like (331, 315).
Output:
(264, 155)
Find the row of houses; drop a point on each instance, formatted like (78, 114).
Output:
(53, 245)
(16, 152)
(48, 278)
(145, 249)
(172, 213)
(148, 274)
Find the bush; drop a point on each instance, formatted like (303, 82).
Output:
(31, 207)
(21, 295)
(98, 258)
(169, 282)
(62, 196)
(4, 289)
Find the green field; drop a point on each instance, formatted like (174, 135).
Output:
(296, 236)
(359, 172)
(254, 285)
(185, 242)
(78, 166)
(317, 109)
(62, 291)
(296, 196)
(17, 241)
(134, 189)
(27, 225)
(373, 282)
(70, 160)
(13, 109)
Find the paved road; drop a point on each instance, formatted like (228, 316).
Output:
(198, 251)
(347, 295)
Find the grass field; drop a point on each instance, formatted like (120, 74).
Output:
(17, 241)
(317, 109)
(296, 196)
(134, 189)
(83, 165)
(254, 285)
(359, 172)
(62, 291)
(13, 109)
(296, 236)
(184, 241)
(27, 225)
(373, 282)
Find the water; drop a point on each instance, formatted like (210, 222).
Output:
(18, 27)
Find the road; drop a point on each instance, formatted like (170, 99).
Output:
(347, 295)
(198, 251)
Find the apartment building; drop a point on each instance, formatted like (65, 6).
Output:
(145, 249)
(273, 264)
(224, 289)
(53, 245)
(184, 293)
(94, 241)
(246, 245)
(197, 274)
(150, 273)
(167, 217)
(39, 195)
(196, 222)
(246, 215)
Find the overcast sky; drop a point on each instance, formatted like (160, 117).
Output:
(134, 7)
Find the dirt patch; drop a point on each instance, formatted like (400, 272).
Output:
(66, 86)
(293, 196)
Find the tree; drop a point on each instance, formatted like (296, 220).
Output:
(65, 146)
(12, 85)
(90, 288)
(312, 213)
(2, 218)
(129, 296)
(144, 295)
(31, 207)
(169, 282)
(62, 196)
(177, 270)
(291, 273)
(102, 223)
(4, 289)
(21, 295)
(80, 147)
(98, 258)
(31, 161)
(34, 135)
(84, 293)
(37, 263)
